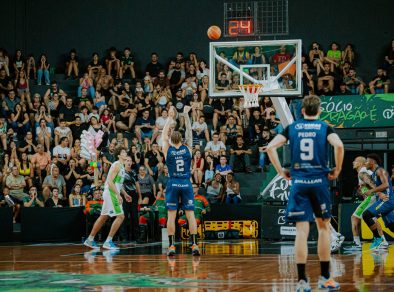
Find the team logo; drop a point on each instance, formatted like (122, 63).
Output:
(299, 126)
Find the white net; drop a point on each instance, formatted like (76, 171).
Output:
(251, 94)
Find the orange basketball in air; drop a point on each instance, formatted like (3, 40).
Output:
(214, 32)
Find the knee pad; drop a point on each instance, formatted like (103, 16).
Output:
(368, 218)
(143, 221)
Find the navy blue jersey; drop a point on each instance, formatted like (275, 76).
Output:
(378, 182)
(179, 162)
(308, 145)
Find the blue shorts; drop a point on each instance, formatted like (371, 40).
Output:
(381, 209)
(179, 188)
(308, 199)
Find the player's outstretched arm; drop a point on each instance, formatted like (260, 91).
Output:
(166, 130)
(272, 152)
(188, 133)
(339, 152)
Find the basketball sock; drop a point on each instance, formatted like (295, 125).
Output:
(109, 238)
(171, 239)
(325, 269)
(194, 238)
(357, 240)
(91, 238)
(375, 233)
(301, 272)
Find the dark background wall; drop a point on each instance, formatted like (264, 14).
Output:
(55, 27)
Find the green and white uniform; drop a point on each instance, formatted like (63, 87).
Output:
(368, 201)
(112, 207)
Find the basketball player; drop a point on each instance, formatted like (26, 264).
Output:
(384, 204)
(365, 183)
(178, 157)
(112, 205)
(309, 193)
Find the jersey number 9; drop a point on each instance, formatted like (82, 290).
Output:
(306, 146)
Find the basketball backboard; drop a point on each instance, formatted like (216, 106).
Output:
(275, 64)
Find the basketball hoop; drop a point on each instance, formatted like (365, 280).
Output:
(251, 93)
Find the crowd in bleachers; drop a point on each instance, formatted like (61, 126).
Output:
(40, 133)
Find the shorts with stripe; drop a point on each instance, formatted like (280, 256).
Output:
(111, 205)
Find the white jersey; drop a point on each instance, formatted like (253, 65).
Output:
(363, 170)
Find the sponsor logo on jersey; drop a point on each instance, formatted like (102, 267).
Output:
(180, 185)
(308, 181)
(301, 126)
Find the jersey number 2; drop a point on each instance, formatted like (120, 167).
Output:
(306, 146)
(180, 165)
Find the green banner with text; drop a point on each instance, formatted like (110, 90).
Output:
(358, 111)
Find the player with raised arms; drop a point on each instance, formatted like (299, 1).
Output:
(112, 205)
(178, 159)
(309, 198)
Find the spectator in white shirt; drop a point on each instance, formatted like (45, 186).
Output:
(62, 131)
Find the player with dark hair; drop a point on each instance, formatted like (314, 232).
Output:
(384, 205)
(309, 196)
(178, 157)
(112, 205)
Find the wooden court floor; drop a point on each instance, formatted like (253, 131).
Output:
(244, 265)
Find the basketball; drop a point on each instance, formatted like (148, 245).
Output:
(214, 32)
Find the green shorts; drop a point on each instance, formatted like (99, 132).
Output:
(369, 201)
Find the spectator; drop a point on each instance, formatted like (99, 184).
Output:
(107, 119)
(380, 83)
(148, 85)
(43, 70)
(127, 63)
(240, 156)
(95, 126)
(16, 183)
(308, 84)
(159, 125)
(54, 179)
(62, 152)
(147, 193)
(316, 57)
(354, 83)
(72, 172)
(176, 75)
(44, 135)
(78, 127)
(266, 137)
(348, 54)
(223, 168)
(32, 200)
(221, 109)
(54, 201)
(200, 132)
(94, 66)
(11, 101)
(240, 57)
(112, 62)
(26, 169)
(76, 199)
(215, 148)
(63, 132)
(3, 133)
(154, 67)
(86, 83)
(20, 121)
(230, 131)
(5, 85)
(68, 112)
(343, 90)
(188, 89)
(326, 80)
(4, 61)
(222, 83)
(334, 56)
(197, 106)
(281, 57)
(162, 179)
(201, 207)
(31, 66)
(6, 199)
(202, 70)
(197, 167)
(53, 90)
(22, 86)
(231, 190)
(145, 126)
(109, 157)
(28, 145)
(72, 65)
(41, 160)
(215, 189)
(210, 170)
(153, 159)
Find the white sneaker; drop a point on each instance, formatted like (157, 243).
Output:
(384, 245)
(335, 245)
(341, 238)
